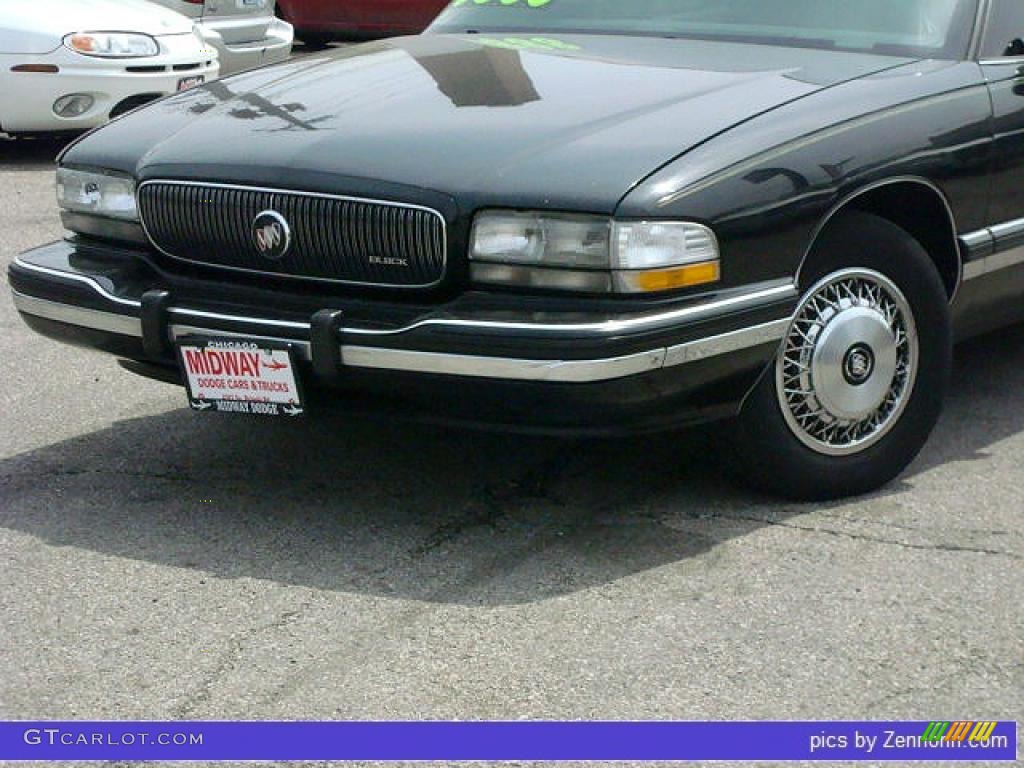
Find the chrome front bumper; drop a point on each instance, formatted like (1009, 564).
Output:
(123, 317)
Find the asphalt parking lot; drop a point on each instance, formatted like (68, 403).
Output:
(162, 564)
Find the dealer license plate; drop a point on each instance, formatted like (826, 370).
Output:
(239, 376)
(191, 82)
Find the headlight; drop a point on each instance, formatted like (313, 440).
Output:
(591, 253)
(100, 194)
(543, 240)
(112, 45)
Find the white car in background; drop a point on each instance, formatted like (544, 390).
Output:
(246, 33)
(70, 65)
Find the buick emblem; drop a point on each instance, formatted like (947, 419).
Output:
(858, 365)
(272, 235)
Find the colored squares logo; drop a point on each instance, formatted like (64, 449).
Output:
(963, 730)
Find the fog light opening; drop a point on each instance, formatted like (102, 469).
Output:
(73, 105)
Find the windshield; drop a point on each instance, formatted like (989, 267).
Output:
(924, 28)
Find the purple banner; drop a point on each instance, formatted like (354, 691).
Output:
(508, 741)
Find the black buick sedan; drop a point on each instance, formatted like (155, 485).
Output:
(589, 216)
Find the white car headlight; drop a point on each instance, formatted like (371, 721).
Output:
(591, 253)
(113, 45)
(99, 194)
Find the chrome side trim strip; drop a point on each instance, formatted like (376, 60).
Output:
(768, 293)
(976, 247)
(745, 338)
(987, 241)
(994, 263)
(1007, 230)
(979, 241)
(80, 316)
(564, 371)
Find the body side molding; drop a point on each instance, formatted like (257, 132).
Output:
(993, 249)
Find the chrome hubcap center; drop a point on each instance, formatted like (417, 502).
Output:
(849, 362)
(854, 362)
(859, 364)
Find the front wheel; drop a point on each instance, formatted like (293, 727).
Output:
(860, 377)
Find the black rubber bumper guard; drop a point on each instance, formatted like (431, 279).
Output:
(325, 344)
(325, 334)
(155, 321)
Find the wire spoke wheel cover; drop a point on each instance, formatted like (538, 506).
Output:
(849, 363)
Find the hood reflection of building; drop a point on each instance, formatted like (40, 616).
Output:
(471, 75)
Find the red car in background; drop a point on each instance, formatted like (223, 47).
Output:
(317, 22)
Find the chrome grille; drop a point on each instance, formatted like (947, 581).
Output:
(334, 238)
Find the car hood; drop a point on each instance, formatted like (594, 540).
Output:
(39, 26)
(568, 123)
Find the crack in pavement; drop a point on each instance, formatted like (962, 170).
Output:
(917, 529)
(50, 473)
(870, 539)
(939, 684)
(492, 503)
(236, 645)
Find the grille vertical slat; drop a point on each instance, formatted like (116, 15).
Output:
(334, 234)
(223, 227)
(334, 238)
(239, 214)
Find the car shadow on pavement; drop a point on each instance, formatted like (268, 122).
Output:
(25, 154)
(431, 514)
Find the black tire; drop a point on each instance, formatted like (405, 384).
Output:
(771, 454)
(315, 42)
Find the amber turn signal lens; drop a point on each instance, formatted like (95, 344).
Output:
(83, 43)
(674, 278)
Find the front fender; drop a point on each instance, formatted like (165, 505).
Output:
(766, 186)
